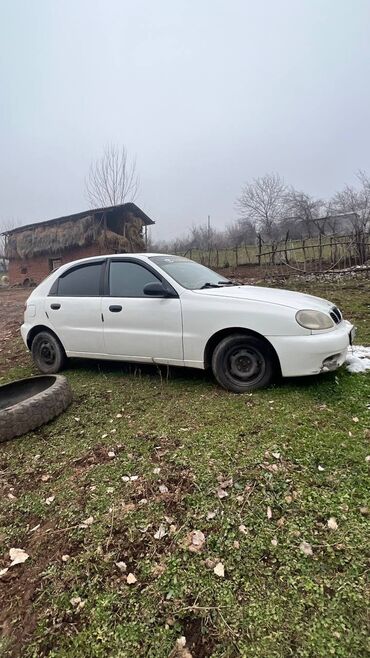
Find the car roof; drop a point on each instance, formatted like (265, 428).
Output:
(124, 255)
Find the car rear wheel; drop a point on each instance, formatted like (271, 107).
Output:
(48, 353)
(241, 363)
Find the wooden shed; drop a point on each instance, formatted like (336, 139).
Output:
(37, 249)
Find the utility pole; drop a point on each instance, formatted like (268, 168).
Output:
(209, 232)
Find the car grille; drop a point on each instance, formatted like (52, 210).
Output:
(336, 315)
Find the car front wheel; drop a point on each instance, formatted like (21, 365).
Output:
(241, 363)
(48, 353)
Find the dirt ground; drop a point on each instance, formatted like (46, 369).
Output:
(11, 315)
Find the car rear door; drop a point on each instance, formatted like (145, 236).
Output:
(74, 308)
(138, 327)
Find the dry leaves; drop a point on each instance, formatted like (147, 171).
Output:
(225, 484)
(332, 523)
(17, 556)
(269, 512)
(222, 493)
(180, 650)
(77, 602)
(87, 522)
(161, 532)
(195, 541)
(306, 548)
(219, 570)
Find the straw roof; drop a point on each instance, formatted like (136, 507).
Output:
(56, 236)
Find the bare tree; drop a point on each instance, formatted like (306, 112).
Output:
(240, 232)
(355, 203)
(263, 202)
(112, 179)
(305, 215)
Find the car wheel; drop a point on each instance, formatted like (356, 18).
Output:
(48, 353)
(242, 363)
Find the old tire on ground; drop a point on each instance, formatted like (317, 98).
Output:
(28, 403)
(242, 363)
(48, 353)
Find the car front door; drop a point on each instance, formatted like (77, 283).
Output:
(73, 308)
(138, 327)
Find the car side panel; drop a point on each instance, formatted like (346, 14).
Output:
(203, 317)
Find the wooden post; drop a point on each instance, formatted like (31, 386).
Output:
(331, 250)
(286, 246)
(259, 249)
(320, 252)
(304, 255)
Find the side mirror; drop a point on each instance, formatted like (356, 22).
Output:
(155, 290)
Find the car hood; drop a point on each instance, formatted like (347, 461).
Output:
(296, 300)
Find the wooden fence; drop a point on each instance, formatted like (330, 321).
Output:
(320, 254)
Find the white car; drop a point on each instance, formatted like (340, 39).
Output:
(156, 308)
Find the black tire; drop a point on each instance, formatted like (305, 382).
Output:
(48, 353)
(29, 403)
(242, 363)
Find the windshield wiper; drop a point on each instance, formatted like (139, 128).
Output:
(210, 285)
(228, 283)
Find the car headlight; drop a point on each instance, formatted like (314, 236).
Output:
(314, 320)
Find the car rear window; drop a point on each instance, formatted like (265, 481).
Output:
(82, 281)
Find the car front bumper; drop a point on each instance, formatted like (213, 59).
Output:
(313, 354)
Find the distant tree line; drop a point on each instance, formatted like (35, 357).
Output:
(269, 208)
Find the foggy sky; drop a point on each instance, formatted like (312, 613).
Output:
(206, 94)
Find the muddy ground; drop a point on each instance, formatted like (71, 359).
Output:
(11, 316)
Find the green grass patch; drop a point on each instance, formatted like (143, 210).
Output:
(296, 454)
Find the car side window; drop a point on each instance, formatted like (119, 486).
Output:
(82, 281)
(127, 279)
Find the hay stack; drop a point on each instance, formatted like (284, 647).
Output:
(54, 239)
(51, 239)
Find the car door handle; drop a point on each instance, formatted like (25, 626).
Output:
(55, 306)
(115, 308)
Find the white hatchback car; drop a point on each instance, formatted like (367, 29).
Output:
(156, 308)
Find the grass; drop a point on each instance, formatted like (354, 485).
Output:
(273, 601)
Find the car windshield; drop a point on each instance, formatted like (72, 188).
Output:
(189, 274)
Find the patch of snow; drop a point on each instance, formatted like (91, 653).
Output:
(358, 359)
